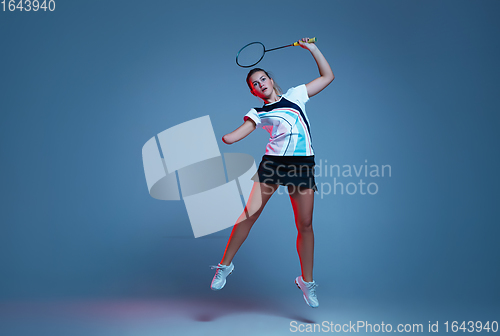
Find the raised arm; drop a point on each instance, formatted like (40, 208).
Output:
(239, 133)
(326, 75)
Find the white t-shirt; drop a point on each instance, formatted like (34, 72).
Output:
(287, 123)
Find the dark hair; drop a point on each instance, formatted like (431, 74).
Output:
(276, 87)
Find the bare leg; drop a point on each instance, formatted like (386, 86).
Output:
(303, 203)
(261, 192)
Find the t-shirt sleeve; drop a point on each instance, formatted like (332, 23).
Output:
(252, 114)
(298, 94)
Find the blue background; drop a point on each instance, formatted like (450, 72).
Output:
(84, 87)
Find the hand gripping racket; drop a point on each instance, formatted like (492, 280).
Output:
(254, 52)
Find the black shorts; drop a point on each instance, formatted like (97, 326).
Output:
(287, 170)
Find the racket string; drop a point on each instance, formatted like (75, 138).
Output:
(250, 55)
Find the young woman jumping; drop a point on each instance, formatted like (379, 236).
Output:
(288, 161)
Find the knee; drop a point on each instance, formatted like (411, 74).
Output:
(305, 226)
(253, 214)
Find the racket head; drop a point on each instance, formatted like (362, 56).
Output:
(250, 55)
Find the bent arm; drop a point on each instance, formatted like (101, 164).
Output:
(326, 75)
(239, 133)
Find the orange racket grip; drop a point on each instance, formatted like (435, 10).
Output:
(311, 40)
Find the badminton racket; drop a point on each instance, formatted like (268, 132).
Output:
(254, 52)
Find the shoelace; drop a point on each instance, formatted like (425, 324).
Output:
(219, 268)
(312, 288)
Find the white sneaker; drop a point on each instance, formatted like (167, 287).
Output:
(219, 280)
(309, 290)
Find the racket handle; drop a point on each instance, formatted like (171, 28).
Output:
(311, 40)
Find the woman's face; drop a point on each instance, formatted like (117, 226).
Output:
(261, 85)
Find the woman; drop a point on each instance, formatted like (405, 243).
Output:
(289, 161)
